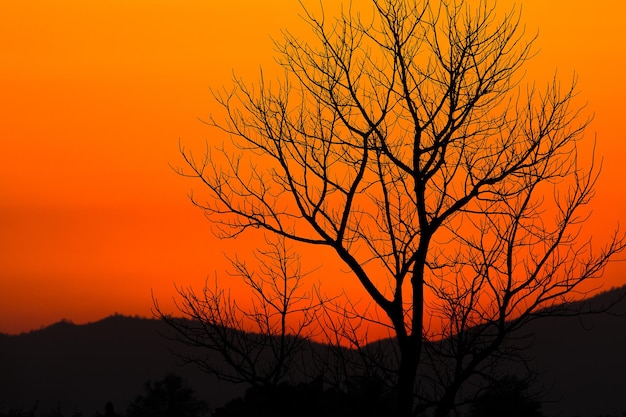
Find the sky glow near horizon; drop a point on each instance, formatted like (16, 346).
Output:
(95, 97)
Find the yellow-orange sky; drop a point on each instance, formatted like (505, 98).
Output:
(94, 96)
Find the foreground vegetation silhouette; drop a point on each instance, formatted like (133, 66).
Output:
(507, 396)
(169, 397)
(401, 140)
(367, 399)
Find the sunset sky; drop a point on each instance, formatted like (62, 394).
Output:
(95, 96)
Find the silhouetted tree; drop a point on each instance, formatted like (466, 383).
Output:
(167, 398)
(400, 138)
(260, 345)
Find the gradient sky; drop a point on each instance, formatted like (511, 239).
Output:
(95, 95)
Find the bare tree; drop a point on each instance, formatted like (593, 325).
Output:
(260, 344)
(402, 139)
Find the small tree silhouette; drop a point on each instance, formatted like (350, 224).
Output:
(167, 398)
(261, 345)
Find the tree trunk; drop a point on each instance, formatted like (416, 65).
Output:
(410, 348)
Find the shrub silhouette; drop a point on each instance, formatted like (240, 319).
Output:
(16, 413)
(507, 396)
(167, 398)
(364, 398)
(109, 411)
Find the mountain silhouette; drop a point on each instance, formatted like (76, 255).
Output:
(82, 367)
(581, 364)
(582, 360)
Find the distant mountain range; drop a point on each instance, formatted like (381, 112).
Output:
(82, 367)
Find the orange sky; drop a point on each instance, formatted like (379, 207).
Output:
(94, 96)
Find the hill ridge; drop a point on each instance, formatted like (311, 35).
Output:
(83, 366)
